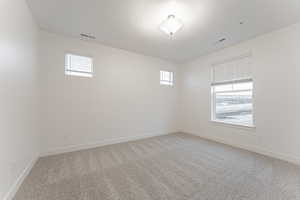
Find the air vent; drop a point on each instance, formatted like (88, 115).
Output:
(87, 36)
(222, 40)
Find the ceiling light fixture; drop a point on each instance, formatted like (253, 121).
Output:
(171, 25)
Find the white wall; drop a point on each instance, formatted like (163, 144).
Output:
(276, 59)
(18, 92)
(122, 101)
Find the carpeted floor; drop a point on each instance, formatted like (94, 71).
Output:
(172, 167)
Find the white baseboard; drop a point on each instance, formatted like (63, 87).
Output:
(13, 190)
(73, 148)
(15, 187)
(276, 155)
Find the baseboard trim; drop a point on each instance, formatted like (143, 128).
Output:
(15, 187)
(73, 148)
(280, 156)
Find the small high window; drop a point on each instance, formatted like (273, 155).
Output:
(76, 65)
(166, 78)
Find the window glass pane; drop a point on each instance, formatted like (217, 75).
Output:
(166, 78)
(234, 107)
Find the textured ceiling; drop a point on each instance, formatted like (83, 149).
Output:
(134, 24)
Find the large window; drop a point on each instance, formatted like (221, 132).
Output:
(166, 78)
(232, 102)
(76, 65)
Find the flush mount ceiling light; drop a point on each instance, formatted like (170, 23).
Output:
(171, 25)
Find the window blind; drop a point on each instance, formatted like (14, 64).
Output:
(78, 63)
(232, 70)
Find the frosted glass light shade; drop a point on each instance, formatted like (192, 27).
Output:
(171, 25)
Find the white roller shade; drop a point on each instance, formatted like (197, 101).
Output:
(79, 63)
(239, 68)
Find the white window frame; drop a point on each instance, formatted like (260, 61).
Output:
(70, 72)
(164, 81)
(213, 102)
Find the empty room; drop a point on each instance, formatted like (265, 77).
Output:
(150, 99)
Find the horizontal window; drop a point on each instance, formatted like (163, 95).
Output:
(232, 103)
(76, 65)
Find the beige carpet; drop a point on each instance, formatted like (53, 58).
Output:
(173, 167)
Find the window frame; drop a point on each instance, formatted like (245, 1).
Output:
(213, 102)
(83, 74)
(163, 82)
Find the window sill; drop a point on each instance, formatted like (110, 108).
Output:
(233, 125)
(166, 85)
